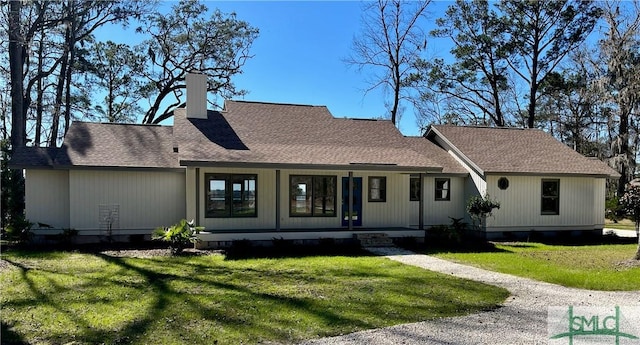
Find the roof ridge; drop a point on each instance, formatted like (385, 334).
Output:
(121, 124)
(490, 127)
(275, 103)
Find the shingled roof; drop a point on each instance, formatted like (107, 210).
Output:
(516, 150)
(243, 134)
(437, 154)
(106, 146)
(286, 134)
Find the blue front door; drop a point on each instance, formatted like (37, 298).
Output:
(357, 201)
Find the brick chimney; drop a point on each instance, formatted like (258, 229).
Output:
(196, 96)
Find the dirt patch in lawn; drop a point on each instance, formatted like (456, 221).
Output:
(627, 264)
(150, 253)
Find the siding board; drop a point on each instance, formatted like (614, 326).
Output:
(47, 197)
(146, 200)
(581, 204)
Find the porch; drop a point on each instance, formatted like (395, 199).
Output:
(226, 238)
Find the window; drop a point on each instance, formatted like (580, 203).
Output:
(550, 203)
(443, 192)
(377, 189)
(503, 183)
(312, 196)
(414, 188)
(231, 195)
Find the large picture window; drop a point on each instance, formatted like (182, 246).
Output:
(377, 189)
(443, 189)
(312, 196)
(550, 203)
(231, 195)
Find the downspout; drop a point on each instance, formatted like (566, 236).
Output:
(198, 196)
(421, 203)
(277, 200)
(350, 201)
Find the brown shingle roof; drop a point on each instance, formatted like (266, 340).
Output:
(436, 154)
(118, 145)
(514, 150)
(30, 157)
(252, 132)
(105, 145)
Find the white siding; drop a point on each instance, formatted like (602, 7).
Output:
(47, 197)
(438, 212)
(581, 204)
(146, 199)
(392, 213)
(599, 196)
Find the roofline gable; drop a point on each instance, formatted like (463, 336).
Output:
(434, 133)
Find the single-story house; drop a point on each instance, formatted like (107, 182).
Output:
(261, 171)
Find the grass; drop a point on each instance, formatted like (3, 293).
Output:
(595, 267)
(83, 298)
(623, 224)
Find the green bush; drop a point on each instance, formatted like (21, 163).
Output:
(613, 209)
(179, 236)
(448, 234)
(18, 230)
(479, 208)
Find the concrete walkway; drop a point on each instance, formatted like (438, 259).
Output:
(522, 319)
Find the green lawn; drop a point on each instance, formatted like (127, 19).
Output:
(623, 224)
(63, 297)
(596, 267)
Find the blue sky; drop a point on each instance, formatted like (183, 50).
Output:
(299, 53)
(298, 57)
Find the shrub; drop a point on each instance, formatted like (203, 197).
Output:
(612, 209)
(480, 208)
(18, 230)
(179, 236)
(448, 234)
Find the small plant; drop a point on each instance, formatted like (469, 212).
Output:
(18, 230)
(179, 236)
(612, 209)
(630, 202)
(479, 208)
(449, 234)
(67, 235)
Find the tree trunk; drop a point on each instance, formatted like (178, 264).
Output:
(18, 117)
(16, 64)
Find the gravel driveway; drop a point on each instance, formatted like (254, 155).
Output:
(522, 319)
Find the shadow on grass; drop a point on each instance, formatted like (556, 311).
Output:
(9, 337)
(184, 294)
(243, 250)
(439, 247)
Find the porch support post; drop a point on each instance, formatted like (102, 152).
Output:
(350, 201)
(197, 221)
(421, 203)
(277, 200)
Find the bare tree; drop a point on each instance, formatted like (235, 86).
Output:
(620, 82)
(390, 42)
